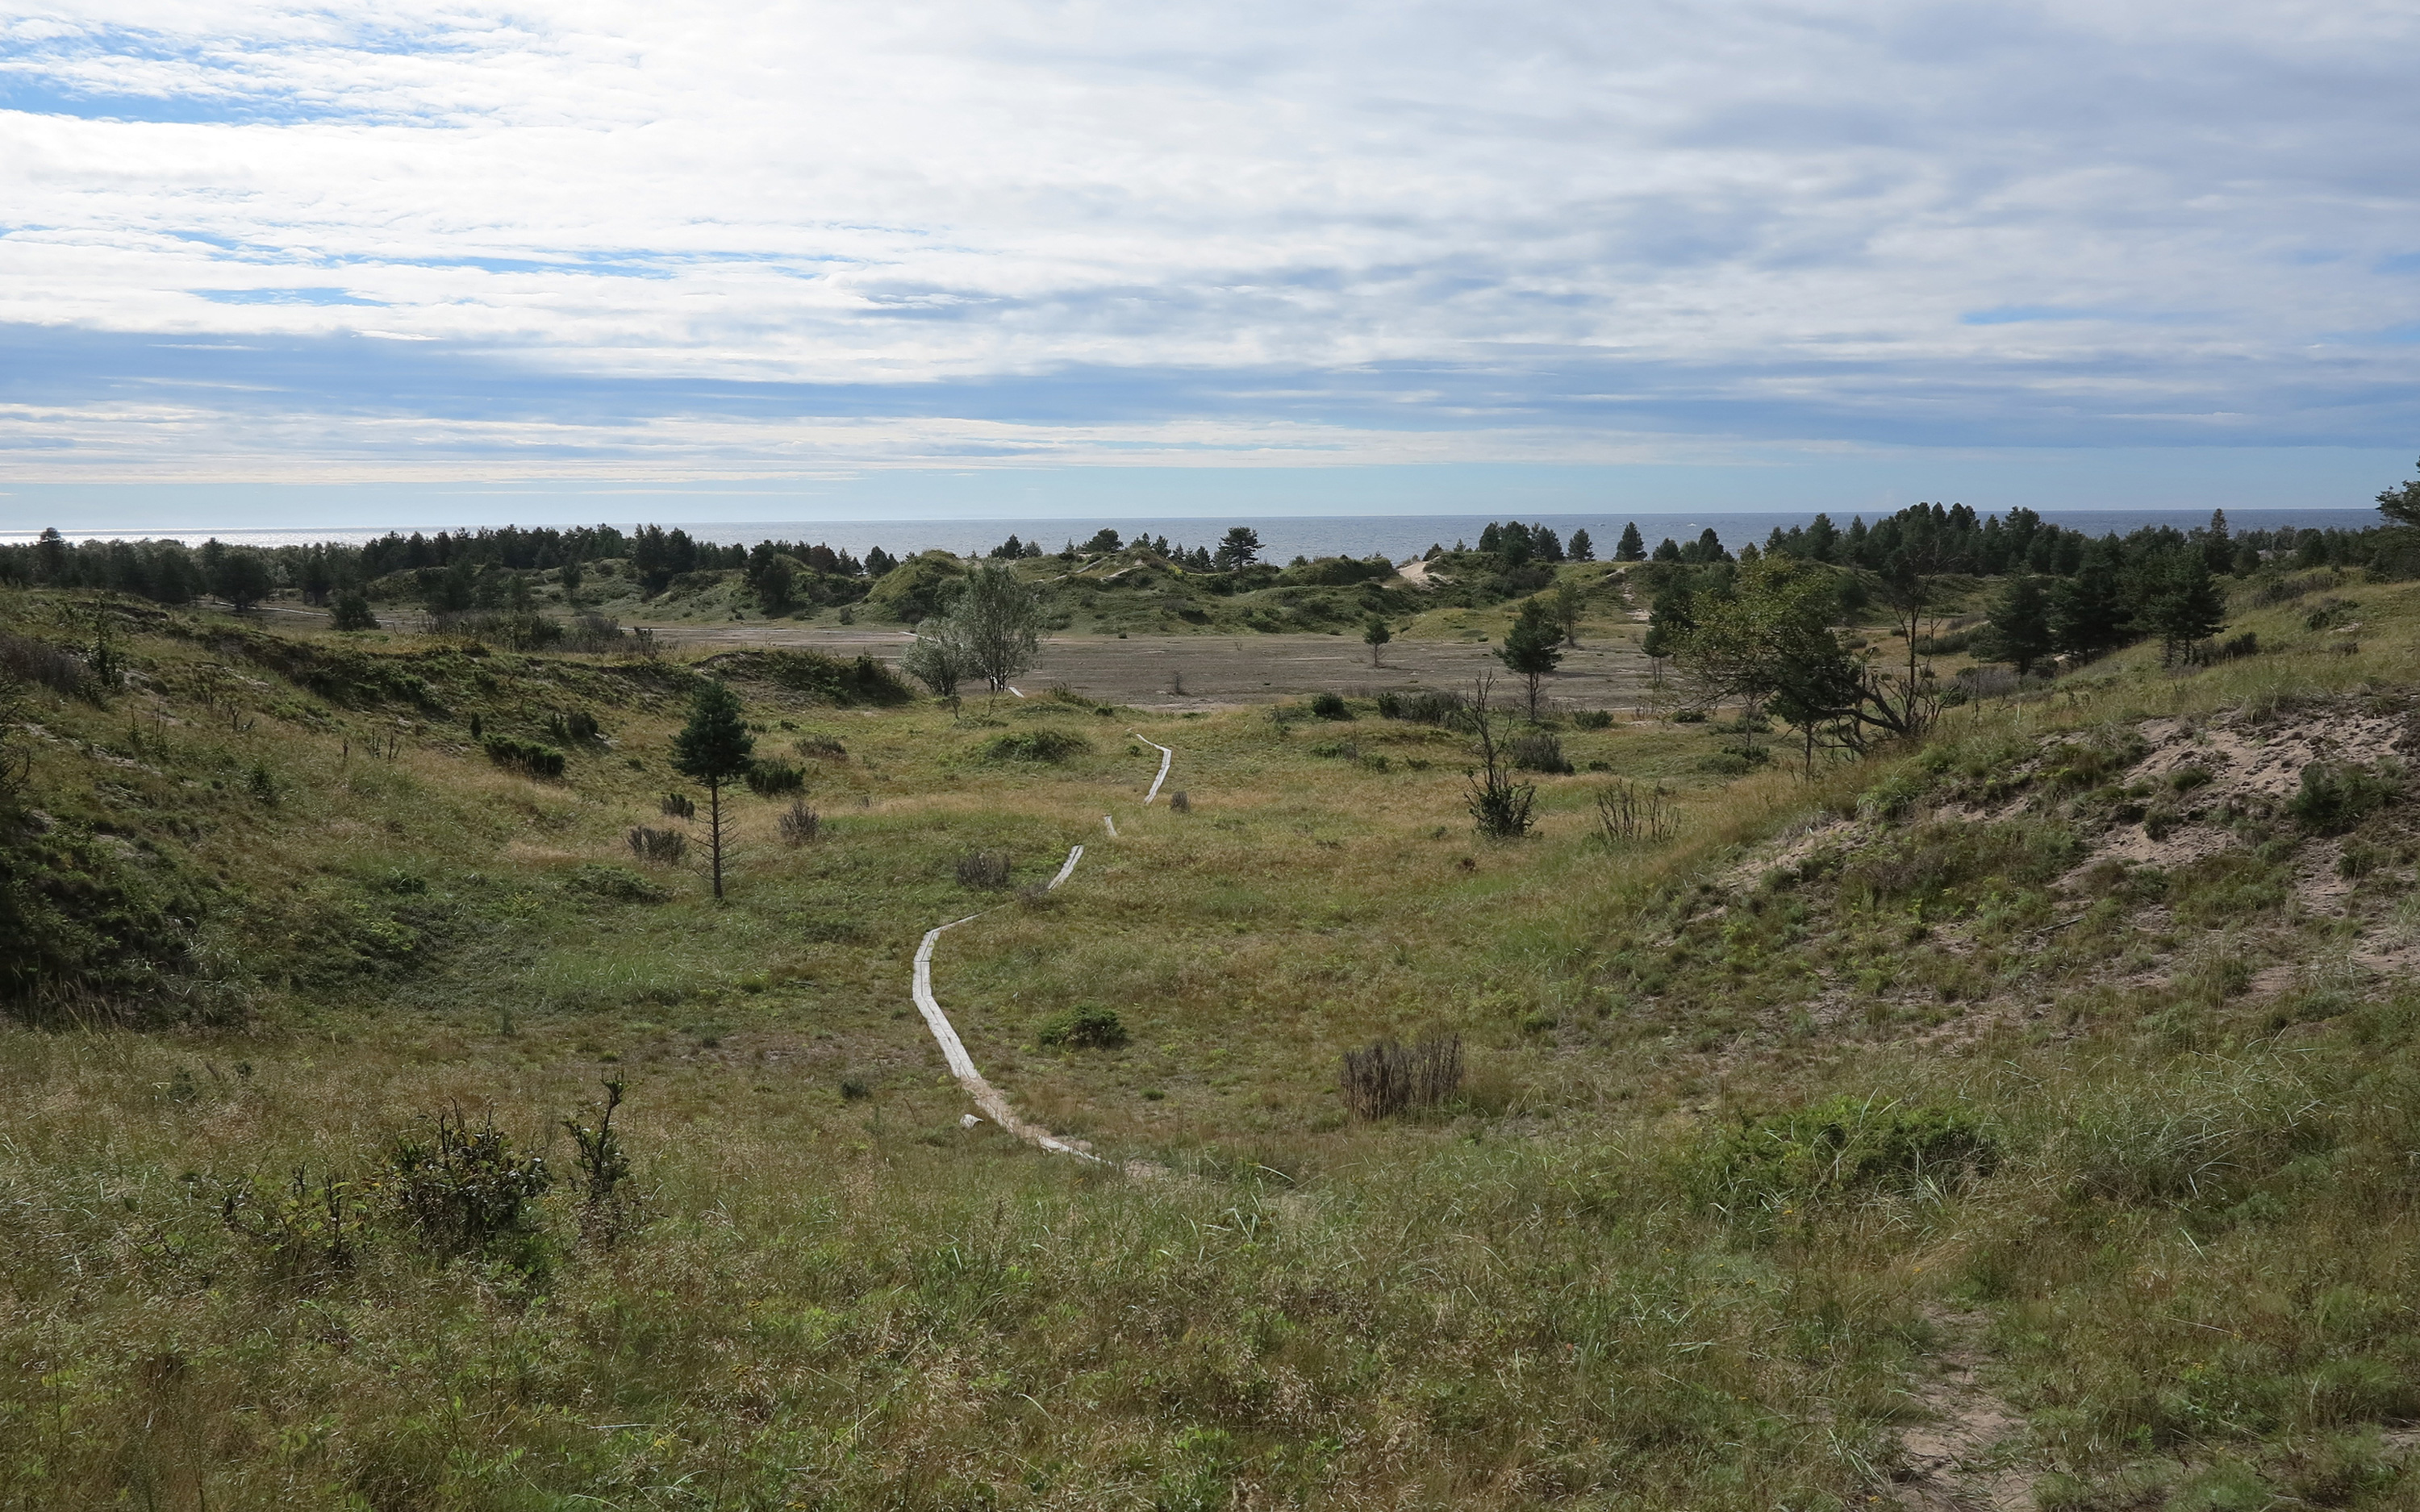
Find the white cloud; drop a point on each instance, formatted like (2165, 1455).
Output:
(1789, 211)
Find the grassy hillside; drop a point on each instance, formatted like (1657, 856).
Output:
(2027, 1117)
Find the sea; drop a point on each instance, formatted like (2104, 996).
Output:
(1282, 537)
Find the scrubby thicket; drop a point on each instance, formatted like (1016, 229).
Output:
(397, 1121)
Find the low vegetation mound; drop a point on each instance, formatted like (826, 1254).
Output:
(1045, 746)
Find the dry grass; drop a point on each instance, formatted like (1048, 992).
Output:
(847, 1301)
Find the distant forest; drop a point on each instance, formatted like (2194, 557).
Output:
(452, 570)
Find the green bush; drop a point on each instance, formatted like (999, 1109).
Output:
(525, 755)
(1330, 706)
(1082, 1029)
(466, 1192)
(616, 884)
(1592, 719)
(1540, 750)
(574, 727)
(1035, 746)
(1843, 1146)
(2333, 798)
(1420, 708)
(770, 779)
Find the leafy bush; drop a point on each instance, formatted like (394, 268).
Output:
(1689, 717)
(771, 779)
(524, 755)
(1540, 750)
(1035, 746)
(1083, 1028)
(1843, 1146)
(2334, 797)
(1592, 719)
(1330, 706)
(467, 1191)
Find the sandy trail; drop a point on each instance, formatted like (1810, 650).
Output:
(1166, 756)
(954, 1050)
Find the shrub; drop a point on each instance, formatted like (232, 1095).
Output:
(1388, 1078)
(1843, 1146)
(593, 633)
(524, 755)
(799, 824)
(1082, 1029)
(768, 779)
(2210, 653)
(37, 661)
(1627, 815)
(1689, 717)
(1592, 719)
(353, 612)
(608, 1209)
(617, 885)
(574, 727)
(2333, 798)
(466, 1191)
(663, 847)
(1178, 802)
(853, 1089)
(678, 806)
(1035, 746)
(1540, 750)
(1420, 708)
(1330, 706)
(822, 745)
(984, 868)
(311, 1231)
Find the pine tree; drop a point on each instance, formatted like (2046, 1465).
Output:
(1375, 633)
(2401, 507)
(1582, 548)
(2087, 612)
(714, 748)
(2181, 605)
(1633, 549)
(2021, 624)
(1529, 647)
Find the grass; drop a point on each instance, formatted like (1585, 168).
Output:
(2178, 1202)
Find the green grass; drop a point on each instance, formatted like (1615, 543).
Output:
(1742, 1144)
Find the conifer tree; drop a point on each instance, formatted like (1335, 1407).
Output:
(1529, 649)
(713, 749)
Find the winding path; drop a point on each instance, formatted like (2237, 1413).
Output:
(954, 1050)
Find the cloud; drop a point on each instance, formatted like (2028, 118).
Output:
(745, 238)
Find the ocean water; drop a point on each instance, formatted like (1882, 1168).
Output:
(1283, 538)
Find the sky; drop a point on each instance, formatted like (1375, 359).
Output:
(263, 264)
